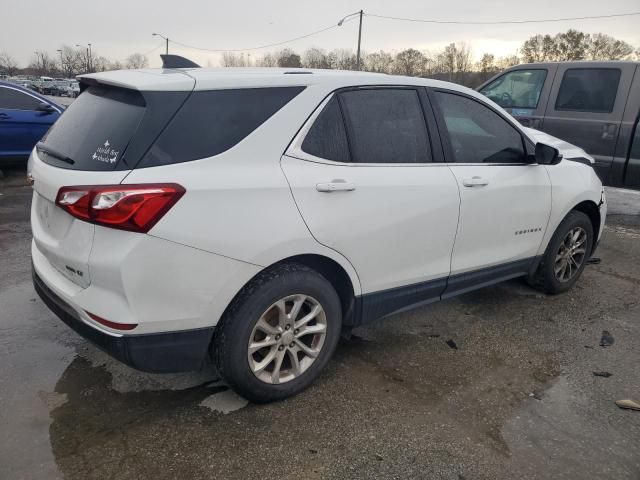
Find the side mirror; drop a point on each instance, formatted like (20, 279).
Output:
(547, 155)
(45, 108)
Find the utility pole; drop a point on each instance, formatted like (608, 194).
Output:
(61, 62)
(359, 40)
(341, 22)
(90, 59)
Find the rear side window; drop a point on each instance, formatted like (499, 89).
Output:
(211, 122)
(588, 90)
(386, 125)
(327, 137)
(12, 99)
(517, 89)
(94, 132)
(476, 133)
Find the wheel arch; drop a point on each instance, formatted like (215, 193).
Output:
(591, 210)
(333, 272)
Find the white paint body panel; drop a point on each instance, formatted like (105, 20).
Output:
(517, 198)
(396, 228)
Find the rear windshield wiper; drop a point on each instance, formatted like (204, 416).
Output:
(54, 153)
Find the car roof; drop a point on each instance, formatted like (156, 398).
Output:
(226, 78)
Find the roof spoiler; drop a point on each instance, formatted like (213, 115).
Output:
(176, 61)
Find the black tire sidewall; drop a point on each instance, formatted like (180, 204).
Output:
(573, 220)
(233, 337)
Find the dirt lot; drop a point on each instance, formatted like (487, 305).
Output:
(517, 399)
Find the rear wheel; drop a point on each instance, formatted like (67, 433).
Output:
(566, 255)
(279, 333)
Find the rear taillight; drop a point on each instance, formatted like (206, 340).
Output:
(136, 208)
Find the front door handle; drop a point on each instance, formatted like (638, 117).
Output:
(3, 115)
(337, 185)
(475, 182)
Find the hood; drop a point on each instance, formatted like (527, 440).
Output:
(567, 150)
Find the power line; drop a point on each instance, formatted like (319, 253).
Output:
(217, 50)
(505, 22)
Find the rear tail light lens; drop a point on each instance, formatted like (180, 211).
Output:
(136, 208)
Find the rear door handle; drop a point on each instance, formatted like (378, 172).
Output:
(337, 185)
(475, 182)
(3, 115)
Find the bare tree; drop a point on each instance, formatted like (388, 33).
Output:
(267, 60)
(8, 64)
(604, 47)
(315, 58)
(409, 62)
(487, 66)
(287, 58)
(342, 59)
(136, 60)
(463, 61)
(380, 62)
(571, 45)
(538, 48)
(43, 63)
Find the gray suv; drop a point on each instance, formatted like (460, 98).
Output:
(594, 105)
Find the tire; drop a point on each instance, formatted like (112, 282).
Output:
(547, 277)
(262, 299)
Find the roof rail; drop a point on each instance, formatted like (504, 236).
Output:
(176, 61)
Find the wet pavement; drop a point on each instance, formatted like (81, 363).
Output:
(517, 398)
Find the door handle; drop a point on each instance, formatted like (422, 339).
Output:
(3, 115)
(475, 182)
(337, 185)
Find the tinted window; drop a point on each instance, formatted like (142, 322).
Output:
(477, 134)
(327, 137)
(386, 126)
(517, 89)
(95, 130)
(588, 90)
(11, 99)
(211, 122)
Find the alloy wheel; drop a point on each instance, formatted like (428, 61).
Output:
(287, 339)
(571, 254)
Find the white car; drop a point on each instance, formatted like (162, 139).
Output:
(247, 217)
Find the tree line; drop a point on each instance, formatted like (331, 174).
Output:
(453, 63)
(68, 62)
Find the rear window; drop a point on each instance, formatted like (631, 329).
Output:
(93, 133)
(211, 122)
(588, 90)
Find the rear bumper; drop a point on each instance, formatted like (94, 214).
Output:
(165, 352)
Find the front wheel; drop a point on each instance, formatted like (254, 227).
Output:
(566, 255)
(278, 333)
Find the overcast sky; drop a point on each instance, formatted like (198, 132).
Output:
(116, 28)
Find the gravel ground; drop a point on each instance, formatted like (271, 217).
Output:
(516, 399)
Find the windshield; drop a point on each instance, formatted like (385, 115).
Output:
(517, 89)
(94, 132)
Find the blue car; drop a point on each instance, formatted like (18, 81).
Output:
(25, 117)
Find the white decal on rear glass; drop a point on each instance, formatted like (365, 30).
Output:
(105, 153)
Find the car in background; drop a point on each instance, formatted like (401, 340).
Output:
(595, 105)
(25, 117)
(72, 90)
(45, 85)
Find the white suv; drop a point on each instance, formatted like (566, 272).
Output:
(248, 217)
